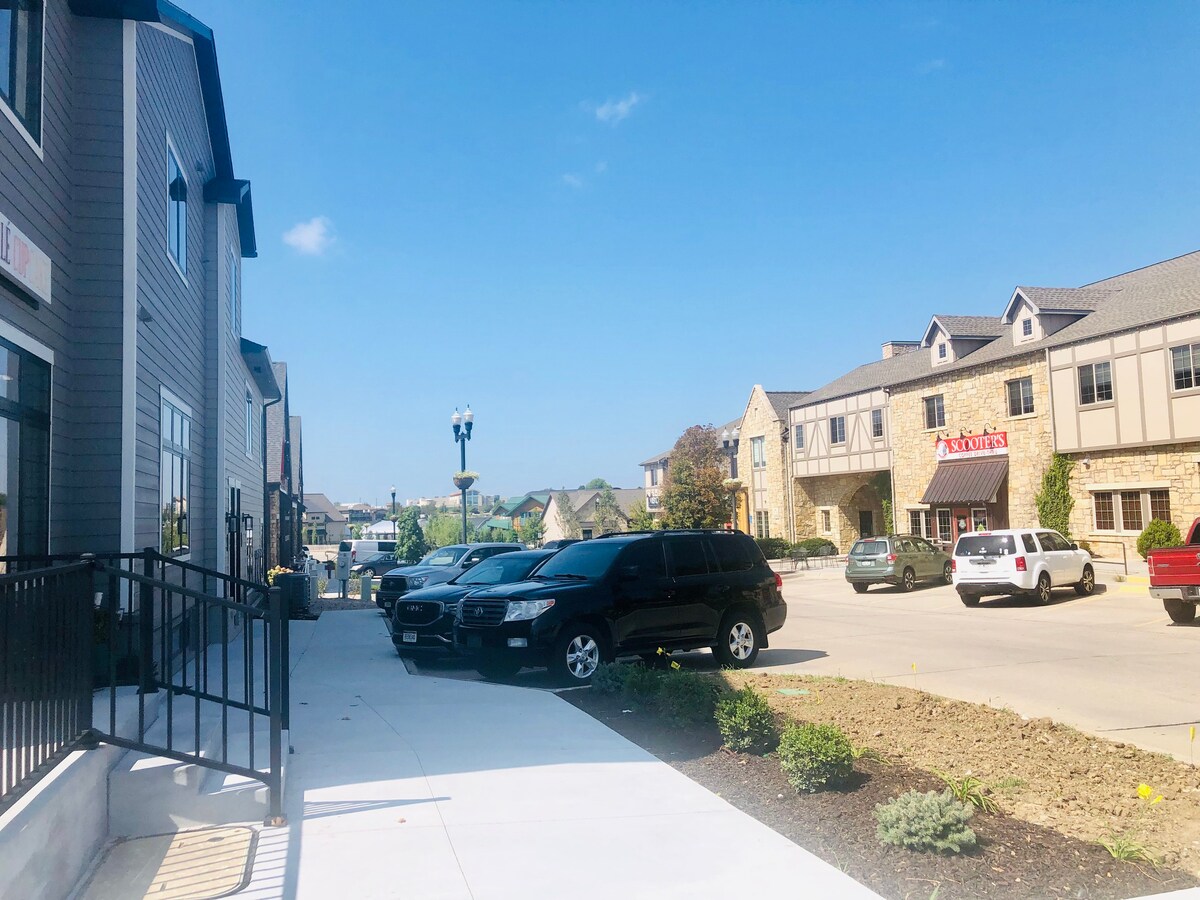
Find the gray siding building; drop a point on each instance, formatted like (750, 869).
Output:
(131, 408)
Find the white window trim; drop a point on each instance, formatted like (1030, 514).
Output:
(824, 511)
(248, 441)
(173, 150)
(35, 146)
(171, 397)
(842, 442)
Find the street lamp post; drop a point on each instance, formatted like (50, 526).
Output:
(462, 424)
(394, 529)
(729, 443)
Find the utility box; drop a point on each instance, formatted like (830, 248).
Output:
(294, 592)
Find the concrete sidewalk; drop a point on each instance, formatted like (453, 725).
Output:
(404, 786)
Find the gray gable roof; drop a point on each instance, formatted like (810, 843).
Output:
(1062, 299)
(969, 327)
(319, 503)
(782, 401)
(277, 426)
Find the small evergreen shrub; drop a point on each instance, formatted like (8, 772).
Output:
(1157, 535)
(641, 683)
(817, 546)
(773, 547)
(814, 757)
(929, 821)
(686, 698)
(610, 678)
(746, 722)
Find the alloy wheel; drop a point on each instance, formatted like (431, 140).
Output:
(1044, 589)
(583, 656)
(1088, 581)
(741, 641)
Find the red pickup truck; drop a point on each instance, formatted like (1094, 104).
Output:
(1175, 577)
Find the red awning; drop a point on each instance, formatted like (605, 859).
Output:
(966, 481)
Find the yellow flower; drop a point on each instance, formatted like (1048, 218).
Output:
(1144, 791)
(675, 665)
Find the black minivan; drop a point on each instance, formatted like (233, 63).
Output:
(626, 594)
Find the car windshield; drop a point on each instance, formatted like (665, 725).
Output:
(502, 569)
(869, 548)
(443, 556)
(985, 545)
(588, 559)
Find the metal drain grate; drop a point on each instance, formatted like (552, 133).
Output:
(191, 865)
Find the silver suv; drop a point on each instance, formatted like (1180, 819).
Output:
(902, 559)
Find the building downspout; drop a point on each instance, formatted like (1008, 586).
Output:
(887, 393)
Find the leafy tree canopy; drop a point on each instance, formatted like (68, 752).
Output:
(596, 484)
(410, 540)
(693, 494)
(568, 518)
(608, 516)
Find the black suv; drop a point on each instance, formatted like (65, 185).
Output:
(623, 594)
(423, 620)
(437, 567)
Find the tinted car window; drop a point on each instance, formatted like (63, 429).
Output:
(687, 556)
(443, 556)
(869, 548)
(344, 545)
(589, 559)
(731, 554)
(985, 545)
(1030, 546)
(501, 569)
(387, 547)
(648, 557)
(1051, 541)
(923, 546)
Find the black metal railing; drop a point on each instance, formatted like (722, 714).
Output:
(45, 672)
(216, 645)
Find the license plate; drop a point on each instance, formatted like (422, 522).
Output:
(409, 637)
(866, 562)
(983, 562)
(474, 640)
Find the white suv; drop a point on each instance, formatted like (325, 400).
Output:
(1019, 561)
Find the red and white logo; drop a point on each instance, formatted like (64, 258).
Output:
(972, 445)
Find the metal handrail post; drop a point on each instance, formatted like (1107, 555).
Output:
(275, 622)
(146, 678)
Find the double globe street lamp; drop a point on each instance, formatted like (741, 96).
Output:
(462, 424)
(729, 443)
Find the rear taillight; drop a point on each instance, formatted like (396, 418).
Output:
(891, 557)
(353, 553)
(778, 581)
(954, 565)
(1020, 563)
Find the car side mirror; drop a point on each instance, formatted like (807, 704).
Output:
(1074, 546)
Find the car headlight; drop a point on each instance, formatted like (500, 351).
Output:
(521, 610)
(417, 581)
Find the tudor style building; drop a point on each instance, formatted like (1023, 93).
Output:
(132, 406)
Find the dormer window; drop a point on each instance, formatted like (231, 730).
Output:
(942, 350)
(1027, 328)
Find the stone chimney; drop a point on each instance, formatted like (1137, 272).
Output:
(895, 348)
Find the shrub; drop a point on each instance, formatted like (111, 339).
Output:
(686, 698)
(773, 547)
(610, 678)
(815, 756)
(970, 790)
(929, 821)
(642, 683)
(1156, 535)
(817, 546)
(746, 722)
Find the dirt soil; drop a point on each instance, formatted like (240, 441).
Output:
(1040, 844)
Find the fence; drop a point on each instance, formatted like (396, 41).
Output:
(216, 645)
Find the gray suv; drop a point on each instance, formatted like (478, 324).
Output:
(902, 559)
(437, 567)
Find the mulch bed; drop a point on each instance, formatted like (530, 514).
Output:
(1015, 859)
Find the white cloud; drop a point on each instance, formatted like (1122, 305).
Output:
(573, 180)
(312, 238)
(612, 112)
(932, 65)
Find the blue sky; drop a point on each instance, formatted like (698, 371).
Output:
(601, 223)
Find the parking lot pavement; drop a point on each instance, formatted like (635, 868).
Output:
(1111, 664)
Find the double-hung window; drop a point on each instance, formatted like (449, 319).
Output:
(1020, 397)
(877, 423)
(935, 412)
(758, 452)
(1095, 383)
(1027, 328)
(1185, 366)
(177, 191)
(799, 439)
(175, 477)
(762, 524)
(837, 430)
(21, 62)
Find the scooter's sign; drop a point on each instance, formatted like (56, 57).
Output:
(973, 445)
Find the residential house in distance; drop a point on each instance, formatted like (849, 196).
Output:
(362, 513)
(284, 507)
(324, 523)
(584, 503)
(126, 382)
(764, 463)
(654, 473)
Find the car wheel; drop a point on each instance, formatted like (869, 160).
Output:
(969, 599)
(738, 640)
(577, 654)
(860, 588)
(1180, 612)
(908, 580)
(497, 668)
(948, 573)
(1087, 582)
(370, 573)
(1044, 590)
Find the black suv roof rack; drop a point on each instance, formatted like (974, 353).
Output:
(670, 531)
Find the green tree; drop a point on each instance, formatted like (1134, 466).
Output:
(568, 518)
(1054, 503)
(410, 540)
(531, 530)
(443, 530)
(608, 516)
(693, 495)
(596, 484)
(640, 518)
(498, 535)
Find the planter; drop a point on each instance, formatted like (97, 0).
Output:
(464, 482)
(733, 485)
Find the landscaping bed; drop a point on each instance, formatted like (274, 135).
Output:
(1036, 844)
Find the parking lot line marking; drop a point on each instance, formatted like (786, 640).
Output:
(1159, 621)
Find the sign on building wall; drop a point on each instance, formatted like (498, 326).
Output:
(973, 445)
(23, 262)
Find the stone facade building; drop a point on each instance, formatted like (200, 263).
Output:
(764, 463)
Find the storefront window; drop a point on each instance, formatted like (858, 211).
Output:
(945, 530)
(1131, 510)
(979, 520)
(24, 452)
(1160, 505)
(1105, 515)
